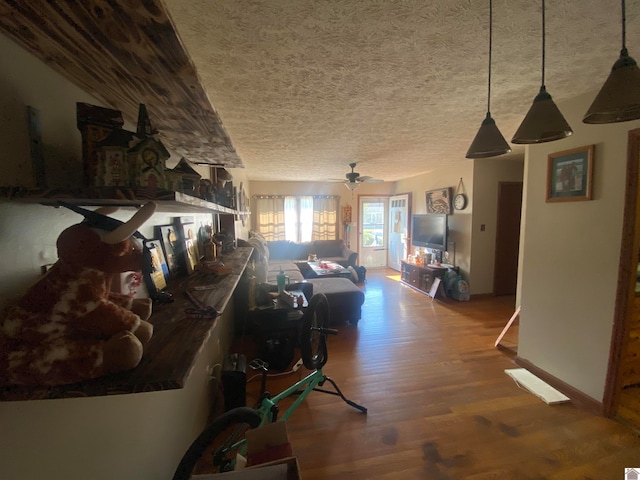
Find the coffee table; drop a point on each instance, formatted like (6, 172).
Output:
(326, 270)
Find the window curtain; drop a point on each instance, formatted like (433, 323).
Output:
(325, 217)
(269, 218)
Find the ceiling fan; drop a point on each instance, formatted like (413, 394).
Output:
(354, 179)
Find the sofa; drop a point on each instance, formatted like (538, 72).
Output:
(271, 257)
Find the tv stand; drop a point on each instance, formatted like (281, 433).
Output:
(421, 277)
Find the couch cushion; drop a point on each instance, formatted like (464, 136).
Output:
(344, 298)
(286, 250)
(289, 268)
(328, 248)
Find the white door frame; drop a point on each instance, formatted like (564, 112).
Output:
(399, 215)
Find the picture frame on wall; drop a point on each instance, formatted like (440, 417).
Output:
(440, 201)
(187, 242)
(570, 175)
(169, 240)
(160, 270)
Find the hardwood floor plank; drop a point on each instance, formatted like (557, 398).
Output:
(440, 405)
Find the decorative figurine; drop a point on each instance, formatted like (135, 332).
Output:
(69, 326)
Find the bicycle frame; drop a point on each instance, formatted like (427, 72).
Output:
(230, 444)
(268, 408)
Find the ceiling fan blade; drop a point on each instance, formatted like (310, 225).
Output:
(369, 179)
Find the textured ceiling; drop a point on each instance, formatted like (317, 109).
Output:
(304, 87)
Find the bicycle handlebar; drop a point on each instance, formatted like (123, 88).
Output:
(325, 331)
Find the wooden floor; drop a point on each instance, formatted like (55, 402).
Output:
(440, 405)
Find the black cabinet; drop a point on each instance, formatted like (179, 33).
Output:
(420, 277)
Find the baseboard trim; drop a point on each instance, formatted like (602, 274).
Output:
(577, 397)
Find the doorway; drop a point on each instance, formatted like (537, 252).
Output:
(505, 272)
(399, 214)
(372, 231)
(622, 389)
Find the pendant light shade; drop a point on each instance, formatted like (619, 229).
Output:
(543, 122)
(488, 142)
(351, 185)
(619, 97)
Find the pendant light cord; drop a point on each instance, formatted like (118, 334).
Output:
(624, 28)
(543, 43)
(490, 44)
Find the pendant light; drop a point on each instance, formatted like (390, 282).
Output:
(488, 142)
(543, 122)
(619, 97)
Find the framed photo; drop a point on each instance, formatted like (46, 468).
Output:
(188, 242)
(569, 174)
(440, 201)
(169, 240)
(160, 271)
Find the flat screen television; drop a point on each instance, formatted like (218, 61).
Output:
(430, 231)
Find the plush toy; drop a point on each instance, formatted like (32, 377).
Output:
(70, 326)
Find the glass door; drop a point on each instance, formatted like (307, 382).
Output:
(373, 231)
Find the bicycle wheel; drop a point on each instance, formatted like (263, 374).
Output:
(215, 449)
(313, 342)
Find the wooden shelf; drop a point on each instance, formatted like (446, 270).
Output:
(167, 201)
(173, 349)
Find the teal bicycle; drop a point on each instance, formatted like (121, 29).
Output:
(223, 440)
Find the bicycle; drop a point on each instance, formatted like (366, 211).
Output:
(224, 438)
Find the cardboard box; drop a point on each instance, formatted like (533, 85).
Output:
(269, 457)
(268, 443)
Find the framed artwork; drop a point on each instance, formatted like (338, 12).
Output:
(160, 271)
(169, 241)
(188, 242)
(569, 174)
(439, 201)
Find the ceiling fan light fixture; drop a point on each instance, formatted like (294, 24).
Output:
(543, 123)
(351, 185)
(488, 142)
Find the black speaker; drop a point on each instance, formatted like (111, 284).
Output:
(234, 381)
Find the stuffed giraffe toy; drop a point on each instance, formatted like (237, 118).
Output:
(69, 326)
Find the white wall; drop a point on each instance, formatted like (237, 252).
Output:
(569, 258)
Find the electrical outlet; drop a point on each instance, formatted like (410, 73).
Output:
(297, 366)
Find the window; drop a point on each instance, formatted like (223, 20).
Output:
(373, 224)
(297, 218)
